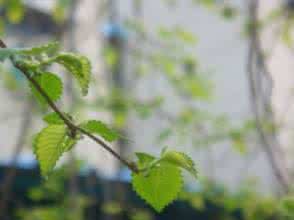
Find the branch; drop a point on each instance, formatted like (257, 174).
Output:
(71, 126)
(260, 83)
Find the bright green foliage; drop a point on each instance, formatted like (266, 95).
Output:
(50, 144)
(141, 214)
(38, 57)
(144, 159)
(53, 118)
(15, 11)
(69, 143)
(207, 3)
(59, 10)
(164, 135)
(228, 12)
(238, 141)
(54, 189)
(112, 208)
(288, 206)
(158, 181)
(77, 65)
(98, 127)
(47, 49)
(160, 186)
(177, 33)
(181, 160)
(51, 84)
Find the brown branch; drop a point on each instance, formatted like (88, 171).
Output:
(71, 126)
(260, 83)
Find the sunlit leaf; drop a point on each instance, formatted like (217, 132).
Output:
(53, 118)
(49, 145)
(79, 66)
(181, 160)
(51, 84)
(161, 186)
(98, 127)
(15, 11)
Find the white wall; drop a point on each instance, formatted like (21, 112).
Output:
(222, 50)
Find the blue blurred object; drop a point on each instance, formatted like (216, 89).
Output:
(86, 169)
(11, 73)
(24, 161)
(113, 30)
(17, 75)
(195, 187)
(124, 175)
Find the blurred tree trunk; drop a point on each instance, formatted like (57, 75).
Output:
(261, 85)
(89, 42)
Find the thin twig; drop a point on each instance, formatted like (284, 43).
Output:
(260, 92)
(71, 126)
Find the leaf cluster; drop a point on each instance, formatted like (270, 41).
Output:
(157, 180)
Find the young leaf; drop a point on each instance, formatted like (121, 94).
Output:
(50, 144)
(98, 127)
(49, 48)
(51, 84)
(162, 184)
(15, 11)
(79, 66)
(53, 118)
(144, 159)
(69, 143)
(181, 160)
(287, 205)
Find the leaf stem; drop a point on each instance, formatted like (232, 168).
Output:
(71, 126)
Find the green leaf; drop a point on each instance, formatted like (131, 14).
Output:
(98, 127)
(228, 12)
(53, 118)
(51, 84)
(181, 160)
(287, 205)
(69, 143)
(160, 187)
(144, 159)
(185, 36)
(49, 48)
(34, 142)
(15, 11)
(50, 144)
(164, 135)
(79, 66)
(59, 10)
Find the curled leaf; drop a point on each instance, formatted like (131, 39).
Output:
(79, 66)
(181, 160)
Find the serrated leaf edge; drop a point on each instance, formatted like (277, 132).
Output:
(61, 89)
(167, 204)
(35, 151)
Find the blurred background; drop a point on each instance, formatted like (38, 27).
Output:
(211, 78)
